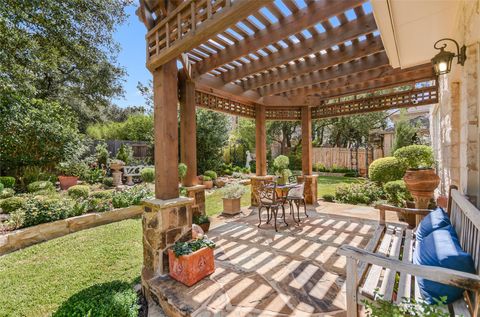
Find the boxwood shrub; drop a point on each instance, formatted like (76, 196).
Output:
(7, 193)
(415, 156)
(397, 193)
(40, 185)
(11, 204)
(7, 181)
(211, 174)
(386, 169)
(362, 193)
(148, 174)
(79, 191)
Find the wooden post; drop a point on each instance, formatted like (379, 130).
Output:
(188, 131)
(165, 98)
(260, 141)
(306, 141)
(351, 287)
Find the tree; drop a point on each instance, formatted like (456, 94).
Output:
(284, 133)
(62, 51)
(212, 136)
(137, 127)
(34, 133)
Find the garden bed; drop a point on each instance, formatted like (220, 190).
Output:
(330, 174)
(25, 237)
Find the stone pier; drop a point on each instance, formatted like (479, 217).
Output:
(255, 181)
(197, 192)
(311, 188)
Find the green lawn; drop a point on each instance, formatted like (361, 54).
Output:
(328, 184)
(88, 268)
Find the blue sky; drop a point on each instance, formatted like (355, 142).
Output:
(131, 37)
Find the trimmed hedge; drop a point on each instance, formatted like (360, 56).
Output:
(397, 193)
(386, 169)
(7, 181)
(40, 185)
(148, 175)
(211, 174)
(79, 191)
(415, 156)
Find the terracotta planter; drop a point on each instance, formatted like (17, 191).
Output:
(231, 206)
(421, 184)
(208, 184)
(67, 181)
(205, 226)
(191, 268)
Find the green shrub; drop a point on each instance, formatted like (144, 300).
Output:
(73, 167)
(227, 172)
(415, 156)
(79, 191)
(45, 209)
(280, 166)
(211, 174)
(93, 176)
(386, 169)
(351, 173)
(32, 174)
(108, 181)
(397, 193)
(102, 155)
(99, 204)
(246, 170)
(328, 197)
(103, 194)
(131, 196)
(363, 193)
(207, 178)
(233, 191)
(7, 181)
(40, 185)
(125, 154)
(182, 171)
(7, 193)
(148, 174)
(11, 204)
(200, 219)
(1, 187)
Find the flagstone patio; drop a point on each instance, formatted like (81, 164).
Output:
(260, 272)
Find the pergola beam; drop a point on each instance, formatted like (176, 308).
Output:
(362, 25)
(342, 70)
(371, 79)
(286, 26)
(322, 61)
(213, 25)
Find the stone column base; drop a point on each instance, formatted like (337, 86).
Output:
(311, 188)
(255, 181)
(164, 222)
(197, 192)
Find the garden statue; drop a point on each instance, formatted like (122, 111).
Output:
(116, 166)
(249, 159)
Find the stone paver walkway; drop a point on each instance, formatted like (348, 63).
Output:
(294, 272)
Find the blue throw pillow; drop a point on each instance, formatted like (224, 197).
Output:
(441, 248)
(435, 220)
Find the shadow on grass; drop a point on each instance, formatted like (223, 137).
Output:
(116, 298)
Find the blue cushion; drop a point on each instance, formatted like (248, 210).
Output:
(441, 248)
(435, 220)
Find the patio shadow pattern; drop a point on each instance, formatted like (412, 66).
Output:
(292, 272)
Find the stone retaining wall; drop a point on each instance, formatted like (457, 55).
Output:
(23, 238)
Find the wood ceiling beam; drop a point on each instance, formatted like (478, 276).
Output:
(219, 22)
(365, 81)
(313, 64)
(286, 26)
(353, 29)
(341, 70)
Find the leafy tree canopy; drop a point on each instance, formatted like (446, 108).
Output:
(62, 51)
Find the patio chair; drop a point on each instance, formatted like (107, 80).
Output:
(297, 197)
(266, 197)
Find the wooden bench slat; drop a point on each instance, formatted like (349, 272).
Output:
(371, 246)
(389, 278)
(405, 281)
(373, 276)
(459, 308)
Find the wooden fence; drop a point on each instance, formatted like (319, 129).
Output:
(345, 157)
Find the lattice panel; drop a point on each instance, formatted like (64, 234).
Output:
(411, 98)
(283, 114)
(217, 103)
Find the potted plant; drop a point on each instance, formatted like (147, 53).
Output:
(232, 194)
(191, 261)
(207, 181)
(70, 171)
(280, 165)
(182, 171)
(203, 221)
(420, 177)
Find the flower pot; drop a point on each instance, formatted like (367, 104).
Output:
(205, 226)
(208, 184)
(191, 268)
(421, 184)
(67, 181)
(231, 206)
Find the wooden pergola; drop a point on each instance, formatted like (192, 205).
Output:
(267, 60)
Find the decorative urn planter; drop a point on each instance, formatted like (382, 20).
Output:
(116, 166)
(208, 184)
(231, 206)
(421, 183)
(67, 181)
(191, 268)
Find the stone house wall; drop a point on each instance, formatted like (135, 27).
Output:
(455, 119)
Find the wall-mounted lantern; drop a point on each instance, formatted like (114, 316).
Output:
(442, 62)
